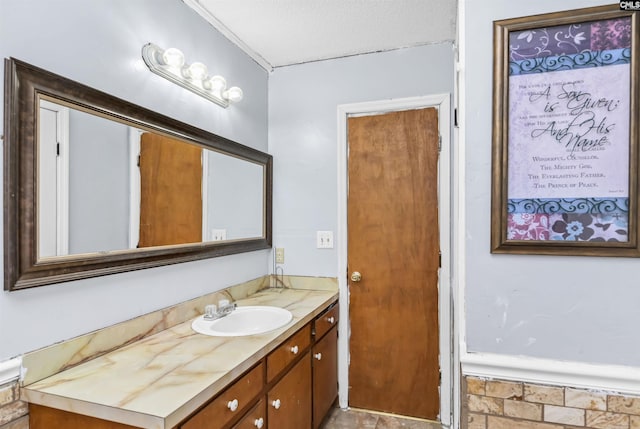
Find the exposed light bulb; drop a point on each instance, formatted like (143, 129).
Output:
(171, 65)
(196, 71)
(233, 94)
(173, 57)
(215, 83)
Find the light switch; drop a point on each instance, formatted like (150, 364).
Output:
(324, 240)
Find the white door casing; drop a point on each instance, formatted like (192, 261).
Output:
(447, 367)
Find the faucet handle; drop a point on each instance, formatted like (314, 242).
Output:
(210, 311)
(223, 303)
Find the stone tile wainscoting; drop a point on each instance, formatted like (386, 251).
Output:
(495, 404)
(13, 412)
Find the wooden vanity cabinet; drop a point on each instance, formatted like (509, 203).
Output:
(41, 417)
(325, 364)
(293, 387)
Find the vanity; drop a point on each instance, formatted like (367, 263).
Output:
(178, 378)
(154, 371)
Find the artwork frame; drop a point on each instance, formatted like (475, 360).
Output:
(565, 150)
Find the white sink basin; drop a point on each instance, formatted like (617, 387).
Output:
(249, 320)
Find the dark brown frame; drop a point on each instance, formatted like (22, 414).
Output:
(500, 155)
(24, 84)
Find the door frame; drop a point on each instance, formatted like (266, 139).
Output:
(62, 175)
(445, 296)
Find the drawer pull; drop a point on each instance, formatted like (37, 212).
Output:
(232, 405)
(294, 350)
(331, 320)
(276, 404)
(259, 423)
(318, 356)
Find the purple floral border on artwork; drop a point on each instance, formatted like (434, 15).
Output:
(567, 227)
(570, 39)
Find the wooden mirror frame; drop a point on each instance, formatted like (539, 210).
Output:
(23, 85)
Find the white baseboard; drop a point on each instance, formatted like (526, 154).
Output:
(610, 378)
(10, 370)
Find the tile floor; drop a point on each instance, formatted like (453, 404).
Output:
(356, 419)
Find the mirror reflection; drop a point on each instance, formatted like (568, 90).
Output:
(105, 186)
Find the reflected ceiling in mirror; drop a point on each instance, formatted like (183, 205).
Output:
(115, 187)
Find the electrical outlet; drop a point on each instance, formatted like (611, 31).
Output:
(279, 255)
(324, 240)
(218, 234)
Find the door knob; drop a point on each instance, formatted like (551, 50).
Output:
(356, 276)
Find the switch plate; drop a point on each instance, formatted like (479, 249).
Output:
(279, 255)
(218, 234)
(324, 240)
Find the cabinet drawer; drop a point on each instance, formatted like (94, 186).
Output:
(326, 321)
(295, 346)
(224, 408)
(256, 418)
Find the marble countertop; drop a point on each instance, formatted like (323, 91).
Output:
(158, 381)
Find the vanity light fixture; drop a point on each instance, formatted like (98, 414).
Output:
(170, 64)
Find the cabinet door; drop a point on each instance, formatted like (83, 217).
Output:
(289, 401)
(325, 375)
(256, 418)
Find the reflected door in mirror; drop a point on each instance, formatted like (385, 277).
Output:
(171, 191)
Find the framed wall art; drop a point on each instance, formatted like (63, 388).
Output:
(565, 134)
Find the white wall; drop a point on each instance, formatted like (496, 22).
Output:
(565, 308)
(98, 43)
(303, 102)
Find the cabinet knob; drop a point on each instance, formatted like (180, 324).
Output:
(232, 405)
(318, 356)
(294, 350)
(259, 423)
(276, 404)
(331, 320)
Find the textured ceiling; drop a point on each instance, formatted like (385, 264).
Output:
(283, 32)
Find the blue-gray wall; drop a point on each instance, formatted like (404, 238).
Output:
(303, 102)
(98, 184)
(565, 308)
(98, 43)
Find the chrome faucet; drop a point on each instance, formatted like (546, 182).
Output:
(224, 308)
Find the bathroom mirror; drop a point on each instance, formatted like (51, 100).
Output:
(95, 185)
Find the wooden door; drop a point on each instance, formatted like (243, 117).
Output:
(393, 242)
(170, 191)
